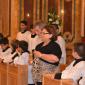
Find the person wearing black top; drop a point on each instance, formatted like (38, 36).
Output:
(47, 54)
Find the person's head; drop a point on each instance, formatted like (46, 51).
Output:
(79, 50)
(23, 46)
(23, 25)
(4, 42)
(49, 33)
(38, 27)
(14, 45)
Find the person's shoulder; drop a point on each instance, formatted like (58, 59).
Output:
(54, 43)
(81, 64)
(18, 33)
(25, 54)
(60, 38)
(28, 32)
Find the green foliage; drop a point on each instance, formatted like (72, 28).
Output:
(53, 18)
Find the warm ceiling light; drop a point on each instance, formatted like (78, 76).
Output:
(62, 11)
(28, 15)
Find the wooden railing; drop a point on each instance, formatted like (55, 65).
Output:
(48, 79)
(13, 74)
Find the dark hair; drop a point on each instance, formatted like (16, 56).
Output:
(4, 41)
(52, 30)
(80, 48)
(23, 45)
(24, 22)
(56, 26)
(14, 44)
(40, 24)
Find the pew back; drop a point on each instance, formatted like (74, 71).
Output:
(13, 74)
(49, 80)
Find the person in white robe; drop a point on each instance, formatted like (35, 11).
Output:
(9, 58)
(33, 39)
(6, 50)
(22, 50)
(76, 69)
(24, 33)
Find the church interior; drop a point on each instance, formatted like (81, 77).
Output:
(71, 14)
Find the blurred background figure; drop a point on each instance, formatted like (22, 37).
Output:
(24, 33)
(60, 40)
(33, 39)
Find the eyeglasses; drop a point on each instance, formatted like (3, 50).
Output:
(44, 33)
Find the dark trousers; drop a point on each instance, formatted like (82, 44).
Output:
(31, 84)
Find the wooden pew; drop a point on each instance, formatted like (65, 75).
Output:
(17, 75)
(3, 74)
(49, 80)
(13, 74)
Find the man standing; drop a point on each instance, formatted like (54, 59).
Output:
(24, 33)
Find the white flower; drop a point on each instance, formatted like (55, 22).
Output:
(53, 18)
(48, 13)
(50, 19)
(54, 23)
(57, 22)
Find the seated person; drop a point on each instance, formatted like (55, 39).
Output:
(9, 58)
(23, 59)
(22, 50)
(6, 50)
(76, 69)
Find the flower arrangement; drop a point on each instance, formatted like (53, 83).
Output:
(53, 18)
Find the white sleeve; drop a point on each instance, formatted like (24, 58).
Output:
(82, 81)
(16, 60)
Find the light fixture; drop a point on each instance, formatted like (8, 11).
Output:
(28, 14)
(62, 11)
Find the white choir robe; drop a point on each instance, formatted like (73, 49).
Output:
(33, 42)
(5, 53)
(74, 72)
(30, 79)
(22, 59)
(9, 57)
(61, 42)
(82, 81)
(23, 36)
